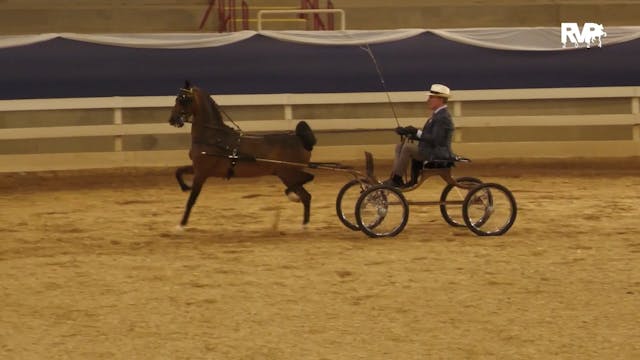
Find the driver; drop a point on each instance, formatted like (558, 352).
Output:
(434, 140)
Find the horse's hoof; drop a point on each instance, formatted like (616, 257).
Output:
(179, 228)
(293, 197)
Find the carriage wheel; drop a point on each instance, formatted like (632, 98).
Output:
(382, 211)
(345, 202)
(489, 209)
(452, 198)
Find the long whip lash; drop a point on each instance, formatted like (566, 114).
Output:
(367, 49)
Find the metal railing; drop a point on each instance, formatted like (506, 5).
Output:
(343, 21)
(227, 17)
(318, 24)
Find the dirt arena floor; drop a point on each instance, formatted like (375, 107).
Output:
(92, 267)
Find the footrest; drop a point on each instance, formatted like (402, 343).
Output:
(461, 159)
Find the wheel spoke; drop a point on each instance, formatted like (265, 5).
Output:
(382, 211)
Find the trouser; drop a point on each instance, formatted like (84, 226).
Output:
(405, 151)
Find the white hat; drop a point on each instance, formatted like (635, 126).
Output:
(439, 90)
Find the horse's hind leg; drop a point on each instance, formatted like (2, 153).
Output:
(181, 171)
(301, 195)
(198, 181)
(294, 180)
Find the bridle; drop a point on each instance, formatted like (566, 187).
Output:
(185, 98)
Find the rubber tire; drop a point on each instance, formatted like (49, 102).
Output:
(498, 187)
(339, 211)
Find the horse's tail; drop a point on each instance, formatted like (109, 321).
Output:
(304, 132)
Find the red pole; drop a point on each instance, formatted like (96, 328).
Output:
(330, 23)
(303, 6)
(245, 15)
(316, 17)
(232, 5)
(206, 14)
(221, 17)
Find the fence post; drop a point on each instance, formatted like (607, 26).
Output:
(117, 120)
(288, 111)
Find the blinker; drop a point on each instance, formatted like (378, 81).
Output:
(184, 99)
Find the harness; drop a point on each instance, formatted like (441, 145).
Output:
(232, 164)
(226, 149)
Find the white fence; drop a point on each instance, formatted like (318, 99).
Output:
(498, 149)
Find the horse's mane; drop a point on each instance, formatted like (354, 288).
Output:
(210, 109)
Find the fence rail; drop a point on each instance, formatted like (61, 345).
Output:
(627, 146)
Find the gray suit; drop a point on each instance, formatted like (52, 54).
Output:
(435, 140)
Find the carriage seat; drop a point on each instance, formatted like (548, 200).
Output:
(417, 166)
(440, 164)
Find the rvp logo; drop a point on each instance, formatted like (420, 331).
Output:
(589, 34)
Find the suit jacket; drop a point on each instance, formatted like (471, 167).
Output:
(435, 140)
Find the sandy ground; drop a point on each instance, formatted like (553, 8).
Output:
(92, 267)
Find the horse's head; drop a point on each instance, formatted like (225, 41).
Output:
(194, 105)
(183, 108)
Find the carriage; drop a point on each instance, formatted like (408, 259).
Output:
(487, 209)
(363, 203)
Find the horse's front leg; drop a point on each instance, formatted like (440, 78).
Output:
(198, 182)
(180, 172)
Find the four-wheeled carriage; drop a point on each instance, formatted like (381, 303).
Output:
(383, 210)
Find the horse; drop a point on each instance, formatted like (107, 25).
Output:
(221, 151)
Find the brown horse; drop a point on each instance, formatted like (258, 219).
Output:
(219, 150)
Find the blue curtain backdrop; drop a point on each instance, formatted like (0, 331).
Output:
(67, 68)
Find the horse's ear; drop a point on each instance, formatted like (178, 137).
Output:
(187, 84)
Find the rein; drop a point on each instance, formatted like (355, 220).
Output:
(217, 107)
(236, 156)
(228, 117)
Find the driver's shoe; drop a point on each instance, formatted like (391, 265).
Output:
(394, 181)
